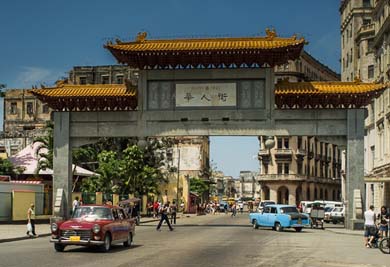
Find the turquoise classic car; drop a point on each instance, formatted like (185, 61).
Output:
(279, 217)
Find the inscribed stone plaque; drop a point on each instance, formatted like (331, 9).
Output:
(206, 95)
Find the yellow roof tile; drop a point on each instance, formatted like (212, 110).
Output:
(303, 88)
(94, 90)
(271, 41)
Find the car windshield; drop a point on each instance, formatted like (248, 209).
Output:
(337, 209)
(328, 209)
(92, 213)
(288, 210)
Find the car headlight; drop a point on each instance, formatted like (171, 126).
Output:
(54, 227)
(96, 228)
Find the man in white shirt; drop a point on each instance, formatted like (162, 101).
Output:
(75, 204)
(369, 225)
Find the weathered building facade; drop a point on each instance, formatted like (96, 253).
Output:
(25, 117)
(365, 28)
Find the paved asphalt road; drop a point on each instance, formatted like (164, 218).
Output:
(217, 240)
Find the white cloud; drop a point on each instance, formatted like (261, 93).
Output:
(35, 76)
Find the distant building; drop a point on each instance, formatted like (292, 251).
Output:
(248, 185)
(299, 168)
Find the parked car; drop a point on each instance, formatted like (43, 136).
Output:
(264, 203)
(337, 215)
(279, 217)
(327, 214)
(94, 225)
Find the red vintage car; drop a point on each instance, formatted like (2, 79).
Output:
(94, 225)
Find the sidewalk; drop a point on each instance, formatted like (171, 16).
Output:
(15, 232)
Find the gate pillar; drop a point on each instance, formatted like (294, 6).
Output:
(354, 169)
(62, 165)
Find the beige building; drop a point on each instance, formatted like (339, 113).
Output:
(190, 156)
(305, 69)
(299, 168)
(365, 28)
(24, 118)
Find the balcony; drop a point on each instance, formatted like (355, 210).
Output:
(264, 155)
(310, 155)
(317, 156)
(300, 153)
(366, 30)
(283, 154)
(280, 177)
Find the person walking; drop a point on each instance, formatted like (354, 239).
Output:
(383, 218)
(173, 210)
(75, 204)
(241, 205)
(234, 210)
(164, 217)
(369, 225)
(31, 221)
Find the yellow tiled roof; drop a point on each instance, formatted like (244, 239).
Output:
(302, 88)
(89, 90)
(271, 41)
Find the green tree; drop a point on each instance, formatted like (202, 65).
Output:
(2, 86)
(131, 171)
(198, 186)
(6, 167)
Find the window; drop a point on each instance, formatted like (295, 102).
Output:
(299, 141)
(29, 108)
(299, 167)
(286, 142)
(105, 79)
(366, 3)
(119, 79)
(273, 210)
(280, 168)
(265, 167)
(14, 108)
(45, 108)
(280, 142)
(286, 168)
(82, 80)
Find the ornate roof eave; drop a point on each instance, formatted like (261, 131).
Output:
(99, 97)
(309, 95)
(270, 50)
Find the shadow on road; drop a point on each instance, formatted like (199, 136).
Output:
(114, 249)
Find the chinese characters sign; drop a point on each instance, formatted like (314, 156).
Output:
(206, 95)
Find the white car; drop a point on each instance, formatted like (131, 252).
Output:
(337, 215)
(327, 210)
(264, 203)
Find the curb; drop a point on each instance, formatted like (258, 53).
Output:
(20, 238)
(344, 233)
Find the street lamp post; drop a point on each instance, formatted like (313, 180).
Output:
(178, 177)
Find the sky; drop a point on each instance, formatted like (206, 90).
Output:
(41, 40)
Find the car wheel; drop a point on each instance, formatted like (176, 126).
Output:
(278, 227)
(129, 240)
(254, 224)
(107, 243)
(298, 229)
(59, 247)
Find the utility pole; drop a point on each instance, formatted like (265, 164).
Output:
(178, 177)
